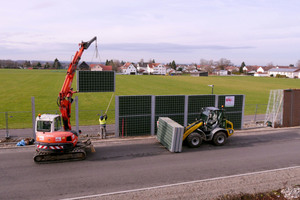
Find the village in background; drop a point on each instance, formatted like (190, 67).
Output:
(222, 67)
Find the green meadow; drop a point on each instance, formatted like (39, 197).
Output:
(18, 86)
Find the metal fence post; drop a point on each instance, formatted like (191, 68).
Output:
(216, 101)
(77, 114)
(117, 116)
(243, 112)
(33, 115)
(255, 113)
(152, 115)
(186, 108)
(6, 123)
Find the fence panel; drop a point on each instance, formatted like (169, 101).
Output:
(234, 108)
(196, 103)
(170, 106)
(134, 115)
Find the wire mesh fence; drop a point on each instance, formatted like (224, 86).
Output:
(255, 115)
(15, 119)
(20, 123)
(138, 115)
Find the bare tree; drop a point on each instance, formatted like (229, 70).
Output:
(270, 64)
(141, 62)
(222, 63)
(298, 64)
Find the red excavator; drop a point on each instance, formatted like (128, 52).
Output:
(53, 143)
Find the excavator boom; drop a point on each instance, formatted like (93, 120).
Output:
(64, 100)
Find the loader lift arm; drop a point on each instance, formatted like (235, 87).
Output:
(64, 100)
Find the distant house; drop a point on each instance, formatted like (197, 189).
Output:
(142, 68)
(250, 69)
(173, 72)
(159, 69)
(149, 68)
(222, 72)
(83, 66)
(263, 69)
(232, 69)
(100, 67)
(288, 72)
(203, 73)
(129, 69)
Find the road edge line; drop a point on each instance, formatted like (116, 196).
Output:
(182, 183)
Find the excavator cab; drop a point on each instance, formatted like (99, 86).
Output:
(48, 123)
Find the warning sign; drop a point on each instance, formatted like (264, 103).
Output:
(229, 101)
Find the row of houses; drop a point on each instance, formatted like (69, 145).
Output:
(271, 71)
(132, 69)
(161, 69)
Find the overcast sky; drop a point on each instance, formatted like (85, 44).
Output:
(254, 31)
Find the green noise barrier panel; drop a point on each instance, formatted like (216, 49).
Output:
(137, 115)
(170, 134)
(196, 103)
(95, 81)
(234, 108)
(170, 106)
(134, 115)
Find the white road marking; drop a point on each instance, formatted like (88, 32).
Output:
(178, 184)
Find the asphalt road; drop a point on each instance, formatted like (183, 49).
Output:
(120, 165)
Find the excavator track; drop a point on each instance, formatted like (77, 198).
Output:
(44, 157)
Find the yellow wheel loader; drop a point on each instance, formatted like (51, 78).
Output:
(211, 126)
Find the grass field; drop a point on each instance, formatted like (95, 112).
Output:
(18, 86)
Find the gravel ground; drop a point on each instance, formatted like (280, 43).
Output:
(219, 188)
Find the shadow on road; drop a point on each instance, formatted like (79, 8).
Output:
(153, 148)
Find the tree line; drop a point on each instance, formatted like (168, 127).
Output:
(207, 65)
(10, 64)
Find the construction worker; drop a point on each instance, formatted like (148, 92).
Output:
(102, 121)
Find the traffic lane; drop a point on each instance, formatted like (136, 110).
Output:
(140, 164)
(101, 176)
(20, 176)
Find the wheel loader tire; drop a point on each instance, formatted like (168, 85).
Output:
(194, 140)
(219, 139)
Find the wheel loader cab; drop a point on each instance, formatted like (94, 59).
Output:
(213, 117)
(211, 126)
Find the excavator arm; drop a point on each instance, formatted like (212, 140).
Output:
(64, 100)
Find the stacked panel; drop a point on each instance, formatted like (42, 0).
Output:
(170, 134)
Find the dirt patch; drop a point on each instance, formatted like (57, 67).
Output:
(289, 193)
